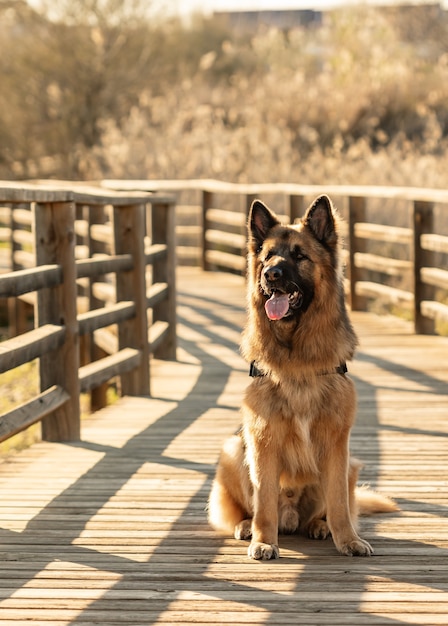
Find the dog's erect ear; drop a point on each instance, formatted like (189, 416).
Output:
(261, 220)
(320, 220)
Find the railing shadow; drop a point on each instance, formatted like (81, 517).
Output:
(315, 574)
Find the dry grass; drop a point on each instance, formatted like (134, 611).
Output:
(361, 98)
(350, 102)
(18, 386)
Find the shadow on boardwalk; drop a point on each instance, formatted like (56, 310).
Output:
(113, 530)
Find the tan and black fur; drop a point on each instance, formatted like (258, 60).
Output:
(289, 468)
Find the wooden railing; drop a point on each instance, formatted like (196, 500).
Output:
(397, 238)
(98, 268)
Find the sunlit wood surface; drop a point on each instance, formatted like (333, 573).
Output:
(113, 530)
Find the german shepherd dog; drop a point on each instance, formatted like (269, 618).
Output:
(288, 469)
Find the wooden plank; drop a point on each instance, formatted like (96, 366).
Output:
(23, 192)
(98, 372)
(434, 276)
(30, 345)
(24, 217)
(105, 292)
(31, 412)
(225, 259)
(434, 310)
(381, 232)
(157, 334)
(106, 340)
(156, 293)
(259, 189)
(106, 316)
(97, 266)
(5, 233)
(231, 240)
(390, 294)
(22, 258)
(226, 218)
(101, 233)
(434, 243)
(386, 265)
(155, 251)
(23, 238)
(19, 282)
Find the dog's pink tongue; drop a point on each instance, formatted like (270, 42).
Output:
(277, 306)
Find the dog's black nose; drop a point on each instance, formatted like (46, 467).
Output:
(273, 273)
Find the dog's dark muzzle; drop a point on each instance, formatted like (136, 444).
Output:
(273, 274)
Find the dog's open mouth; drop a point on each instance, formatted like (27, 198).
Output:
(281, 304)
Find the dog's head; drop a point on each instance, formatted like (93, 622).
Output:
(291, 262)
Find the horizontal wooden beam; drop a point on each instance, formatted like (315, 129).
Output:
(224, 259)
(222, 238)
(96, 373)
(385, 265)
(381, 232)
(434, 243)
(227, 218)
(15, 284)
(216, 186)
(156, 293)
(157, 334)
(389, 294)
(434, 276)
(105, 316)
(154, 252)
(97, 266)
(30, 345)
(434, 310)
(32, 411)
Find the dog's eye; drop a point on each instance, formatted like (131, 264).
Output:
(298, 254)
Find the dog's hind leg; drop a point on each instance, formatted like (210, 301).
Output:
(224, 513)
(230, 501)
(243, 530)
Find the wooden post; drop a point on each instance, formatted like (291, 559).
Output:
(164, 271)
(207, 203)
(55, 243)
(357, 213)
(96, 215)
(423, 223)
(296, 207)
(129, 238)
(17, 309)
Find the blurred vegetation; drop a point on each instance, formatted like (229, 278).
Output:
(96, 88)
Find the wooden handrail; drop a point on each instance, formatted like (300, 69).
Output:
(373, 274)
(79, 254)
(117, 242)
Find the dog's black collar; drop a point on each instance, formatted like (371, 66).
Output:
(255, 371)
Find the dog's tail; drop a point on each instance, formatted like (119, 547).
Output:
(370, 502)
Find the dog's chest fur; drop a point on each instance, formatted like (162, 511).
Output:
(298, 419)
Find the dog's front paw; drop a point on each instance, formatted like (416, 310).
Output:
(243, 530)
(356, 547)
(263, 551)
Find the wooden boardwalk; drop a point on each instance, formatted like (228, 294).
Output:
(113, 530)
